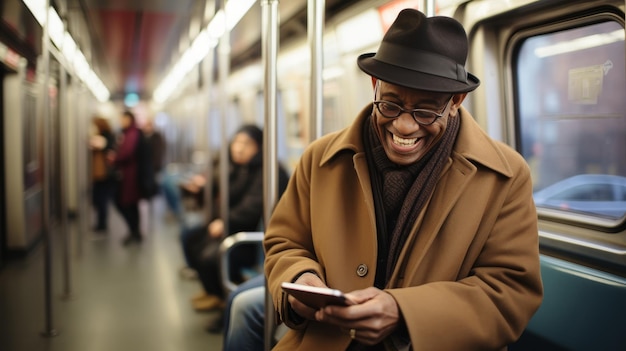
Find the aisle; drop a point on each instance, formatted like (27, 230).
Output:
(124, 298)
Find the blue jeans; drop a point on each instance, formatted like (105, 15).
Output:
(171, 192)
(245, 316)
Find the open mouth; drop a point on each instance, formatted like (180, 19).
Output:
(402, 141)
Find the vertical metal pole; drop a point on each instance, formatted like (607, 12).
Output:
(208, 173)
(208, 63)
(82, 158)
(45, 113)
(315, 32)
(428, 7)
(224, 68)
(270, 165)
(64, 167)
(63, 121)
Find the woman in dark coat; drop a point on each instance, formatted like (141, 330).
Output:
(245, 211)
(127, 191)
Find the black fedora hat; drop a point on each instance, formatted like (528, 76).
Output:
(419, 52)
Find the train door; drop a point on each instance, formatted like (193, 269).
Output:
(556, 72)
(22, 176)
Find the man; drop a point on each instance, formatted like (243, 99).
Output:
(413, 211)
(155, 143)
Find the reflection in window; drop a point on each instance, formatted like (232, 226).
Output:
(571, 108)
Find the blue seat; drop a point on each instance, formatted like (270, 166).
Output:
(582, 309)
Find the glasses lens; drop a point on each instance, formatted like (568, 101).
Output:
(388, 109)
(424, 116)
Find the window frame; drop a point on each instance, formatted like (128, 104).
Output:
(582, 238)
(514, 45)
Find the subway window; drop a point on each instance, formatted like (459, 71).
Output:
(571, 112)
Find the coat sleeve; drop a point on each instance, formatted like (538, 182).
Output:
(489, 305)
(288, 245)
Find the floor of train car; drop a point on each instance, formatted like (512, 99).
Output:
(122, 298)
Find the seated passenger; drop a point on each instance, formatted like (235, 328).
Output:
(201, 244)
(177, 186)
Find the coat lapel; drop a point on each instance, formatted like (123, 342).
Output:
(454, 179)
(472, 147)
(460, 170)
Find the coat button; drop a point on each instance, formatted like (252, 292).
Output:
(361, 270)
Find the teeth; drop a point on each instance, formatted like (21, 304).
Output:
(402, 141)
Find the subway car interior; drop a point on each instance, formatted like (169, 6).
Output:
(553, 87)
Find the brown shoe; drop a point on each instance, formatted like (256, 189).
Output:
(199, 296)
(208, 303)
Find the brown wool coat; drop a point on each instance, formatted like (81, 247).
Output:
(468, 279)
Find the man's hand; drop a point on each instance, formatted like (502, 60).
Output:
(372, 319)
(374, 316)
(300, 308)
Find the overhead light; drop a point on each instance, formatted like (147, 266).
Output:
(235, 10)
(206, 40)
(38, 9)
(81, 67)
(69, 48)
(66, 44)
(55, 28)
(217, 26)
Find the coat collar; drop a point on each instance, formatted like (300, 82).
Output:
(472, 143)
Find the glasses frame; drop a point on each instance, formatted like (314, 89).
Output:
(411, 112)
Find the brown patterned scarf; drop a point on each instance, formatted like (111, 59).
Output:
(400, 192)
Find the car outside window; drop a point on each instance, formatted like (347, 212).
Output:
(571, 112)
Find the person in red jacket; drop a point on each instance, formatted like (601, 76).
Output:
(126, 166)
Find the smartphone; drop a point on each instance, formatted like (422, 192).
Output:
(316, 297)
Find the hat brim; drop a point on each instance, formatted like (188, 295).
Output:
(414, 79)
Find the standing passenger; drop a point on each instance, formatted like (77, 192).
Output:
(127, 190)
(157, 145)
(102, 142)
(156, 142)
(425, 222)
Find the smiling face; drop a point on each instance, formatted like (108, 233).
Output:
(403, 139)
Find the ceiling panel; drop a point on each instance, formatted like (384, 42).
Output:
(118, 40)
(135, 43)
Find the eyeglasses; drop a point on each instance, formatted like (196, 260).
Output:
(421, 116)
